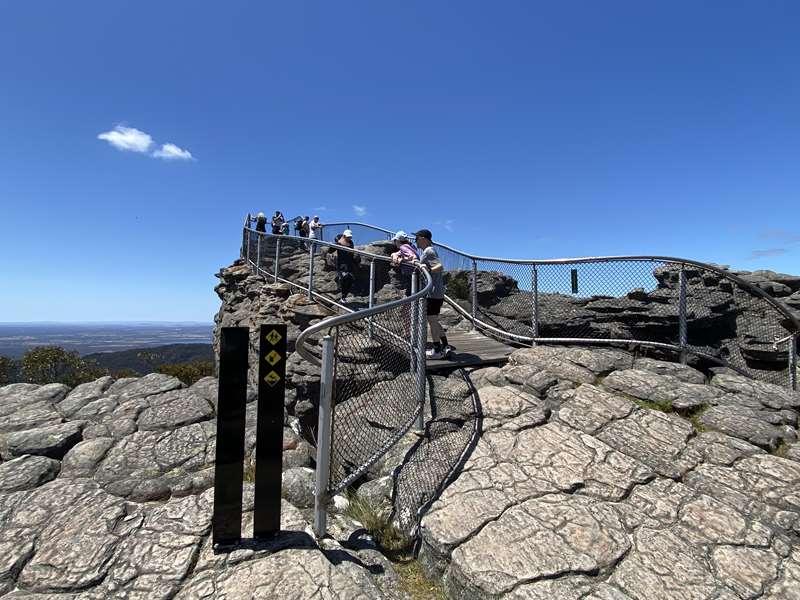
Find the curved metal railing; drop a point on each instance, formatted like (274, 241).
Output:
(372, 359)
(666, 303)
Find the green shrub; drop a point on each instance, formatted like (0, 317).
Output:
(391, 540)
(189, 372)
(458, 285)
(53, 364)
(9, 370)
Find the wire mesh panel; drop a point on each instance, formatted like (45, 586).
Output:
(661, 302)
(375, 399)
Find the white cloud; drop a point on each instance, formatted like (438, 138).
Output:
(360, 210)
(130, 139)
(172, 152)
(127, 138)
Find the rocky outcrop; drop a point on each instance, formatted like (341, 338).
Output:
(250, 300)
(106, 492)
(619, 479)
(723, 319)
(595, 474)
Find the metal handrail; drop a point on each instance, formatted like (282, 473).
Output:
(352, 316)
(592, 259)
(792, 322)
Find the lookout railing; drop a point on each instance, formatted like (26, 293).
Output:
(372, 361)
(670, 304)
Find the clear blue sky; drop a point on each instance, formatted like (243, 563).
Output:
(528, 129)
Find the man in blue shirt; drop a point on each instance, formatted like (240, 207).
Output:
(430, 259)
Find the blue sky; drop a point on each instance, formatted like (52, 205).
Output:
(524, 129)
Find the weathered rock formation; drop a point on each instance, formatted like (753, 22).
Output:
(106, 492)
(723, 320)
(599, 475)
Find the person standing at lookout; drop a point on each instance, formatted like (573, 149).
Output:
(261, 222)
(277, 223)
(346, 263)
(430, 259)
(315, 229)
(403, 257)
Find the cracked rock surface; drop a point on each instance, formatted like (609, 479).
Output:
(625, 479)
(106, 492)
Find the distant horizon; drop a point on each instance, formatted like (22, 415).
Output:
(114, 322)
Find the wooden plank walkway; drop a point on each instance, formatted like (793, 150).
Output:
(471, 349)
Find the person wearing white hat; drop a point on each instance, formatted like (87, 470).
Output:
(261, 222)
(315, 229)
(346, 263)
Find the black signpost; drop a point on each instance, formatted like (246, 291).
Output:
(574, 276)
(269, 433)
(229, 465)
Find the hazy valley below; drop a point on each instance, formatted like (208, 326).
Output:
(91, 338)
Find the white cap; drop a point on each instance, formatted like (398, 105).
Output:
(400, 236)
(347, 233)
(261, 214)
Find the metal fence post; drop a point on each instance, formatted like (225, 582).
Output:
(258, 253)
(474, 292)
(413, 324)
(324, 438)
(534, 303)
(422, 338)
(247, 255)
(793, 361)
(371, 292)
(682, 326)
(277, 257)
(310, 270)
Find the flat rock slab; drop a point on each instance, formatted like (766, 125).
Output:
(71, 539)
(52, 441)
(27, 472)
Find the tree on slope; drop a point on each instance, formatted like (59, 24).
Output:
(9, 370)
(53, 364)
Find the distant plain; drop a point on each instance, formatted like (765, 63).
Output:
(87, 338)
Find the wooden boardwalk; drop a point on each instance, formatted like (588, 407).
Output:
(471, 349)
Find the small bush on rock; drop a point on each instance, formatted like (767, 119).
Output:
(391, 540)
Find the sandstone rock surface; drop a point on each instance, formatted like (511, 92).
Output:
(644, 480)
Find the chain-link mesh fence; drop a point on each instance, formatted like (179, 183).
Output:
(452, 426)
(379, 362)
(627, 300)
(377, 384)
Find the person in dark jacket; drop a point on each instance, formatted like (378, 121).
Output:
(346, 263)
(261, 222)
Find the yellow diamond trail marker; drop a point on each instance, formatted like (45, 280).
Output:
(272, 358)
(272, 378)
(273, 337)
